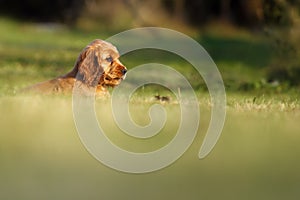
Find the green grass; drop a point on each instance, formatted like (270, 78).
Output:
(35, 52)
(256, 157)
(41, 156)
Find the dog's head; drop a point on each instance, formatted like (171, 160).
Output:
(98, 64)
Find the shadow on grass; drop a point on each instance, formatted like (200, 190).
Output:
(251, 52)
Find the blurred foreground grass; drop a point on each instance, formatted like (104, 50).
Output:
(256, 157)
(41, 156)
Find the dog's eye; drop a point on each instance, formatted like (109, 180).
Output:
(109, 59)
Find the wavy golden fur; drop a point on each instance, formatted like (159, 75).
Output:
(97, 67)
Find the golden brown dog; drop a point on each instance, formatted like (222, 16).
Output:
(96, 68)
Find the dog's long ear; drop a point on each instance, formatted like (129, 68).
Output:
(88, 66)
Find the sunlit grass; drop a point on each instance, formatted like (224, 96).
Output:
(35, 52)
(42, 157)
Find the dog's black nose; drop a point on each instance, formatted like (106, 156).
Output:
(124, 71)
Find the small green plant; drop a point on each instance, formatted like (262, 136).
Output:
(282, 21)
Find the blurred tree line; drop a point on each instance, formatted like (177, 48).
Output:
(197, 12)
(66, 11)
(247, 13)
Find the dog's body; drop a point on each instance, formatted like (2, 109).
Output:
(62, 85)
(96, 68)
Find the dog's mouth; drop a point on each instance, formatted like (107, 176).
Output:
(113, 77)
(110, 80)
